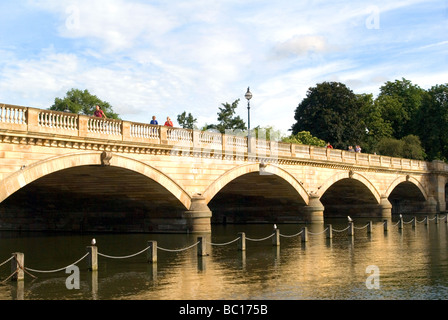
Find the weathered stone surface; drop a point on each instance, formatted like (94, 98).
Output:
(71, 172)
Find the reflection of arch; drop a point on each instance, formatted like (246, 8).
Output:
(350, 175)
(234, 173)
(42, 168)
(410, 179)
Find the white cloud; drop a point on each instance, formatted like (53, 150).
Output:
(169, 57)
(303, 45)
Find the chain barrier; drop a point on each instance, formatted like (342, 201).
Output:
(335, 230)
(360, 228)
(26, 269)
(317, 233)
(409, 221)
(57, 270)
(262, 239)
(6, 261)
(292, 235)
(224, 244)
(178, 250)
(123, 257)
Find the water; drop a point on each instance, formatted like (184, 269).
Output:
(411, 264)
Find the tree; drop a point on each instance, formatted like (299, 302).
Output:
(227, 120)
(401, 101)
(408, 147)
(82, 102)
(304, 137)
(330, 111)
(267, 133)
(186, 121)
(433, 122)
(376, 127)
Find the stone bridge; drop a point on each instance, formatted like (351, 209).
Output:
(70, 172)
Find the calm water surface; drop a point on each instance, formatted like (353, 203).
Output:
(412, 264)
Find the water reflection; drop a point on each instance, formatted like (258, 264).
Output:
(412, 264)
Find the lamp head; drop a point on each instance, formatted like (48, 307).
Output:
(248, 94)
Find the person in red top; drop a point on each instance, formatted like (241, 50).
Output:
(329, 145)
(99, 113)
(168, 122)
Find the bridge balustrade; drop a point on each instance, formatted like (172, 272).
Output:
(39, 121)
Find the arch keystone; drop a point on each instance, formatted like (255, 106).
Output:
(105, 158)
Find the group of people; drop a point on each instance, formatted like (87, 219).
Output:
(350, 148)
(100, 114)
(168, 121)
(356, 149)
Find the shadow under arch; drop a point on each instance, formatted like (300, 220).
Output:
(239, 171)
(408, 196)
(21, 178)
(350, 193)
(408, 179)
(350, 175)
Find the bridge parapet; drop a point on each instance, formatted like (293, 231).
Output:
(14, 119)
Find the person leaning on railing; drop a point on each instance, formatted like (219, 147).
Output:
(168, 122)
(99, 112)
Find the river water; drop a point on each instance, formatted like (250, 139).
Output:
(406, 264)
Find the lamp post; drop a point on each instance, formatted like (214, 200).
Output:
(248, 96)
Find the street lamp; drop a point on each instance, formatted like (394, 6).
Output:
(248, 96)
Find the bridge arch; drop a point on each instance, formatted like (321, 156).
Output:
(30, 173)
(350, 175)
(267, 169)
(409, 179)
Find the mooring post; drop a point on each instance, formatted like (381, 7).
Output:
(304, 234)
(414, 222)
(369, 227)
(276, 237)
(151, 253)
(202, 250)
(242, 241)
(351, 229)
(437, 218)
(18, 266)
(426, 220)
(385, 225)
(329, 232)
(92, 258)
(400, 224)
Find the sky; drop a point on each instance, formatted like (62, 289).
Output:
(162, 58)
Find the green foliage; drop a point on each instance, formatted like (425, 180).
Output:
(227, 119)
(186, 121)
(267, 133)
(376, 127)
(304, 137)
(407, 147)
(82, 102)
(433, 122)
(400, 101)
(330, 111)
(402, 110)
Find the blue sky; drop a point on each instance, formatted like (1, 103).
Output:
(164, 57)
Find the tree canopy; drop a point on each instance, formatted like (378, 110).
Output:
(400, 102)
(403, 114)
(330, 111)
(304, 137)
(82, 102)
(186, 121)
(227, 119)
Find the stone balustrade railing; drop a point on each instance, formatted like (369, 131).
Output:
(32, 120)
